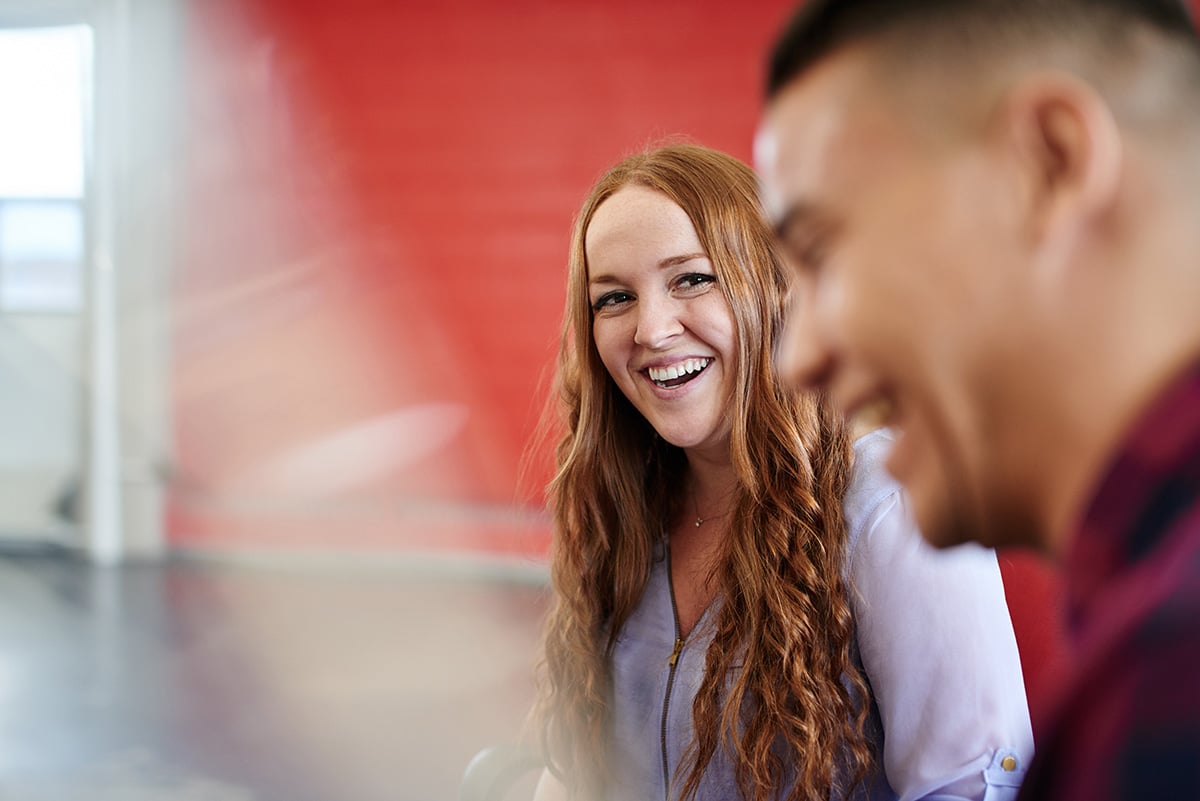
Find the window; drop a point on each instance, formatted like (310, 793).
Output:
(45, 79)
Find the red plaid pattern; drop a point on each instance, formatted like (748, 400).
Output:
(1127, 722)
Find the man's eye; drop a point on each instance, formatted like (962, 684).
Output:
(807, 252)
(610, 300)
(813, 255)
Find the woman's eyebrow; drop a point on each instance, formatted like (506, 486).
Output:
(674, 261)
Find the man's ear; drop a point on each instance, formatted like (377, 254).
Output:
(1066, 141)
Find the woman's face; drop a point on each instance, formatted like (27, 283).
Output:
(661, 323)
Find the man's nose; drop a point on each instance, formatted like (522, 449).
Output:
(802, 357)
(659, 320)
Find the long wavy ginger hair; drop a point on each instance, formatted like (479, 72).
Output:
(795, 707)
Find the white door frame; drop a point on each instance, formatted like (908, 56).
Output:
(132, 188)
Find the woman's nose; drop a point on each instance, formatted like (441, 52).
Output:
(658, 322)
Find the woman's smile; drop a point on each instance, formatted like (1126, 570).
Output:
(678, 374)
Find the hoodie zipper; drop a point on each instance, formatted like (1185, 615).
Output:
(672, 661)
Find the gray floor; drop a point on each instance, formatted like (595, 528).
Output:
(211, 682)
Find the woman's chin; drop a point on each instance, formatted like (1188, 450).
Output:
(692, 440)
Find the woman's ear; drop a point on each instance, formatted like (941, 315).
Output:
(1066, 141)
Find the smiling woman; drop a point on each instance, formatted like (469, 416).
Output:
(661, 324)
(742, 609)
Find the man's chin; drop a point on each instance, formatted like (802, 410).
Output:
(943, 528)
(933, 501)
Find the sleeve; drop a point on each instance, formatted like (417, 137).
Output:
(939, 651)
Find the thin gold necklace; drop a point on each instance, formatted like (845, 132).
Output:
(696, 507)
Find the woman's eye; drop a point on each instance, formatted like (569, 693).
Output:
(695, 280)
(610, 300)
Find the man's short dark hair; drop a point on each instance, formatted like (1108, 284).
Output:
(821, 27)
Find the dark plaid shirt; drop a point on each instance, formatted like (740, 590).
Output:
(1127, 723)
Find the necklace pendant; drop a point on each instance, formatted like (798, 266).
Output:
(699, 520)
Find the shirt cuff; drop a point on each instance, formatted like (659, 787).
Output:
(1003, 777)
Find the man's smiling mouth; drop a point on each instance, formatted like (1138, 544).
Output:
(875, 413)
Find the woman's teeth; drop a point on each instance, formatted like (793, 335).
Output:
(669, 376)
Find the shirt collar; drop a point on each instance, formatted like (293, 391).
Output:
(1154, 478)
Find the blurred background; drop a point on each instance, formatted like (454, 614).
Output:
(280, 283)
(285, 275)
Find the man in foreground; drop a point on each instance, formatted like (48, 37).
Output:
(994, 210)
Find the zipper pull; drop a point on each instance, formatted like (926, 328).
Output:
(675, 653)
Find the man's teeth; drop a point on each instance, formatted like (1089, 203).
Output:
(872, 415)
(674, 371)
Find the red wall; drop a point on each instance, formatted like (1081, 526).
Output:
(379, 199)
(380, 196)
